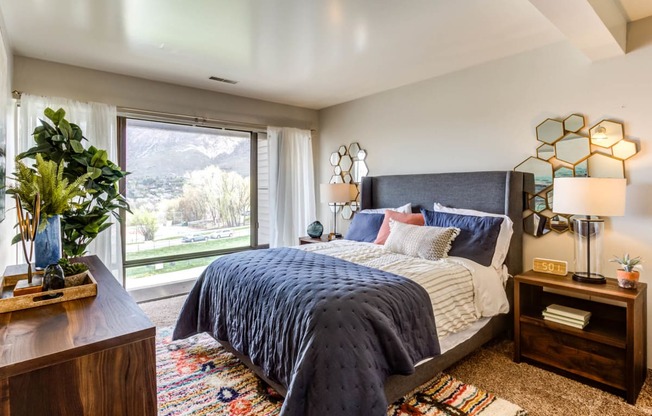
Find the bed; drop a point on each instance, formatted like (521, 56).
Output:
(492, 192)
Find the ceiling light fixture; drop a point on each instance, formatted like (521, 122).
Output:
(218, 79)
(600, 133)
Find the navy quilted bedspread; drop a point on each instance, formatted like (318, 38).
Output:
(329, 330)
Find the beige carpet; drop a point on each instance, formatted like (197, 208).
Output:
(491, 368)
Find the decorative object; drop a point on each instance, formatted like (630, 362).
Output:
(55, 196)
(198, 376)
(590, 197)
(27, 226)
(53, 277)
(349, 166)
(315, 229)
(335, 194)
(99, 197)
(566, 151)
(628, 275)
(74, 273)
(556, 267)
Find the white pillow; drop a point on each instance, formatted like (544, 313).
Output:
(504, 236)
(430, 243)
(405, 209)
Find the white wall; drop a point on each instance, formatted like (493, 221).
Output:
(484, 118)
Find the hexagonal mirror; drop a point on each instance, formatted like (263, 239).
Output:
(336, 179)
(359, 170)
(362, 154)
(354, 148)
(337, 170)
(541, 170)
(334, 159)
(603, 166)
(572, 148)
(550, 131)
(536, 225)
(624, 149)
(606, 133)
(574, 123)
(603, 150)
(342, 150)
(582, 169)
(537, 203)
(347, 212)
(563, 172)
(347, 178)
(549, 198)
(545, 151)
(559, 223)
(345, 163)
(355, 206)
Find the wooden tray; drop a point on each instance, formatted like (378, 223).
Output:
(9, 303)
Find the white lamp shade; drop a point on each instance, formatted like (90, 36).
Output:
(589, 196)
(335, 192)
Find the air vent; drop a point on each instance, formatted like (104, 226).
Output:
(218, 79)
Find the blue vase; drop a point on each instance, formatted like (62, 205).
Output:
(47, 244)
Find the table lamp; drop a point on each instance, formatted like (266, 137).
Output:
(590, 197)
(335, 193)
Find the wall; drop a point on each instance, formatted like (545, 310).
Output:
(52, 79)
(6, 226)
(484, 118)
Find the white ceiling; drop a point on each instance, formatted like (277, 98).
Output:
(310, 53)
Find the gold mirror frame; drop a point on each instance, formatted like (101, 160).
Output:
(350, 168)
(564, 151)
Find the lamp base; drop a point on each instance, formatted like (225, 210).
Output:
(589, 278)
(334, 236)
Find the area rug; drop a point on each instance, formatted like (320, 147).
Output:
(196, 376)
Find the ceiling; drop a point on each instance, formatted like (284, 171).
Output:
(309, 53)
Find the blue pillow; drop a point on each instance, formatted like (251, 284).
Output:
(364, 227)
(477, 238)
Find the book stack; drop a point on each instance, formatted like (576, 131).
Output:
(560, 314)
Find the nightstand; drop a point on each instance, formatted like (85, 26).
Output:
(610, 352)
(313, 240)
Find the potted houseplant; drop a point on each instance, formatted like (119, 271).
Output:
(56, 197)
(62, 142)
(628, 275)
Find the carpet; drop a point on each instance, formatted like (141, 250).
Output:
(196, 376)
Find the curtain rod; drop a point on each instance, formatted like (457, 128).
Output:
(196, 119)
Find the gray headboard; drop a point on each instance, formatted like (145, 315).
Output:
(499, 192)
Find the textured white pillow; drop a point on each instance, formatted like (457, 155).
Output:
(430, 243)
(504, 236)
(405, 209)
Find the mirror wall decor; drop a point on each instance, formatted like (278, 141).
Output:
(565, 151)
(349, 166)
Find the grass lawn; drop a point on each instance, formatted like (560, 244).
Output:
(198, 246)
(175, 266)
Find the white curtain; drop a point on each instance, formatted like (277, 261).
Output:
(292, 184)
(98, 122)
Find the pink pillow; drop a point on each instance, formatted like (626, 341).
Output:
(383, 233)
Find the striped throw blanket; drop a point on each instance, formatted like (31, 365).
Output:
(449, 284)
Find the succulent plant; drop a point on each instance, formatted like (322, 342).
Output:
(628, 263)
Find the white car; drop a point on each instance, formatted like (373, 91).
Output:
(222, 234)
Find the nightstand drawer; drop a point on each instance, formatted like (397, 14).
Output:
(575, 354)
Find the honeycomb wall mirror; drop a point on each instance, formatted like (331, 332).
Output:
(566, 150)
(349, 166)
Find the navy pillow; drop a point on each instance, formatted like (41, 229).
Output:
(477, 238)
(364, 227)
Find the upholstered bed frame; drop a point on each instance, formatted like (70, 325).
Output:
(499, 192)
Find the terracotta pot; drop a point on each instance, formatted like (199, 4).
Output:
(627, 280)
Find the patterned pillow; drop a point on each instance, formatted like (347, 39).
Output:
(416, 219)
(430, 243)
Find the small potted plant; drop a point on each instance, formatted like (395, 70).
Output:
(74, 273)
(628, 275)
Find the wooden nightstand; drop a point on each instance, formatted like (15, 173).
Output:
(610, 352)
(312, 240)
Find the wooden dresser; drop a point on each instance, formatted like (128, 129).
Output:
(93, 356)
(610, 352)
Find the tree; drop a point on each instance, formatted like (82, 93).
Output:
(146, 223)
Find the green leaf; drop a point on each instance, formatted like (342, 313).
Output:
(99, 158)
(17, 239)
(65, 128)
(51, 114)
(76, 146)
(95, 172)
(58, 138)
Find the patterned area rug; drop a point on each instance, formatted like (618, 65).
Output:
(196, 376)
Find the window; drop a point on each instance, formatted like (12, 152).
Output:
(190, 190)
